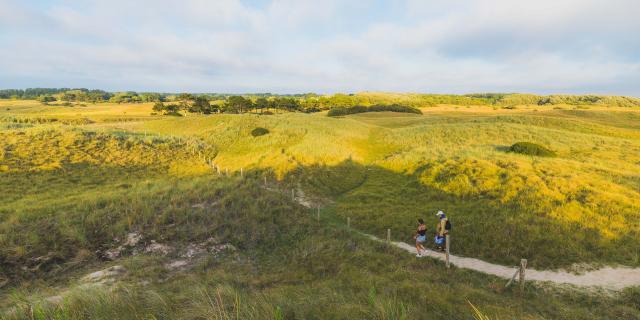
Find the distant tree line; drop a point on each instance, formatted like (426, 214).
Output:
(78, 95)
(30, 93)
(305, 102)
(186, 102)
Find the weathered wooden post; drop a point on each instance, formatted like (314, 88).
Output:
(523, 268)
(388, 236)
(446, 245)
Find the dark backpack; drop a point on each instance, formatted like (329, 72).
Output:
(447, 225)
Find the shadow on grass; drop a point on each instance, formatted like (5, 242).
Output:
(376, 199)
(243, 210)
(289, 259)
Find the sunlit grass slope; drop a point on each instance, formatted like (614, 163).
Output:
(581, 206)
(288, 266)
(69, 188)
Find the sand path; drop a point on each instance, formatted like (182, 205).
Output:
(613, 278)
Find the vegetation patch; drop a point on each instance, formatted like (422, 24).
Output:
(532, 149)
(259, 131)
(375, 108)
(70, 193)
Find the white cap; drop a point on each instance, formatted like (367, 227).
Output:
(439, 213)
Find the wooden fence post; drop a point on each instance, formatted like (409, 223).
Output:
(388, 236)
(523, 268)
(446, 245)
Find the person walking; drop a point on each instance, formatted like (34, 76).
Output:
(442, 229)
(420, 237)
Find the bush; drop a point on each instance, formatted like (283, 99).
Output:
(532, 149)
(259, 132)
(375, 108)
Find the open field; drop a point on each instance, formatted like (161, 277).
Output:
(70, 186)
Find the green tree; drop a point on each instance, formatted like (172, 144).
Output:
(68, 97)
(289, 104)
(237, 104)
(46, 99)
(261, 104)
(185, 97)
(185, 101)
(172, 110)
(158, 106)
(201, 105)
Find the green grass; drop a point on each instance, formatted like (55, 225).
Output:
(452, 160)
(68, 188)
(287, 264)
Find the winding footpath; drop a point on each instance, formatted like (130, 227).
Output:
(612, 278)
(608, 277)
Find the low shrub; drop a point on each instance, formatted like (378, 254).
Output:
(375, 108)
(173, 113)
(532, 149)
(259, 132)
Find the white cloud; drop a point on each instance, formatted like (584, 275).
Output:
(289, 46)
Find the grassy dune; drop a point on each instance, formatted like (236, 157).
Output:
(287, 265)
(581, 206)
(68, 188)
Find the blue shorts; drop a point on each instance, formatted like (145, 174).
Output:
(421, 239)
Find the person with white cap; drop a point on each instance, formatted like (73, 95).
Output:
(442, 229)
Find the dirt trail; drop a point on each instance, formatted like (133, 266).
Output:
(608, 277)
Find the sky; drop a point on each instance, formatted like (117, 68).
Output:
(323, 46)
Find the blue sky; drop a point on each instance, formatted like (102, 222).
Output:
(287, 46)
